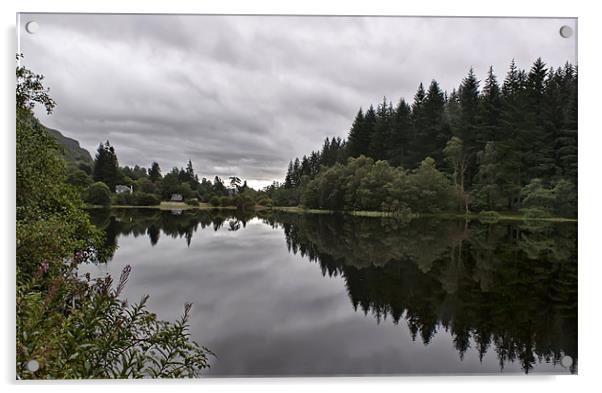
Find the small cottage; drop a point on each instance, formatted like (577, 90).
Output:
(177, 198)
(121, 189)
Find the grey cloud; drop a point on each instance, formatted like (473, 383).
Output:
(248, 93)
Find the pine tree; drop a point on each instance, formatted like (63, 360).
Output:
(382, 128)
(155, 172)
(566, 140)
(511, 137)
(368, 129)
(418, 99)
(490, 110)
(106, 166)
(398, 140)
(188, 176)
(296, 174)
(314, 163)
(288, 180)
(358, 139)
(430, 126)
(512, 83)
(538, 151)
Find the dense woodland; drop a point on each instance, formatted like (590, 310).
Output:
(97, 181)
(487, 145)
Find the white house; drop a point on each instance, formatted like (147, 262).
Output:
(177, 197)
(121, 189)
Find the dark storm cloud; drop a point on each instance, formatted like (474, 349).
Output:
(243, 95)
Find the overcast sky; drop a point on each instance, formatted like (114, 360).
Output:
(243, 95)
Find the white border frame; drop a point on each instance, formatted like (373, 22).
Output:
(590, 26)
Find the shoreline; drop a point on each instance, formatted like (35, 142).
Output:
(503, 216)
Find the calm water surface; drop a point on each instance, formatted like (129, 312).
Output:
(284, 294)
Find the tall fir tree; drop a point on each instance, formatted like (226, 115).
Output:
(288, 180)
(358, 138)
(155, 172)
(467, 128)
(431, 131)
(382, 129)
(106, 166)
(400, 135)
(489, 110)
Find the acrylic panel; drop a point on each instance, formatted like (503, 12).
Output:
(295, 196)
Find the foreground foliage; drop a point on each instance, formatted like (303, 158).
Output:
(70, 326)
(79, 328)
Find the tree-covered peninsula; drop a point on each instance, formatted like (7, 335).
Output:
(484, 146)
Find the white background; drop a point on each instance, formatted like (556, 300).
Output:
(590, 33)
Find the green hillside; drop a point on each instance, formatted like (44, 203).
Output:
(72, 151)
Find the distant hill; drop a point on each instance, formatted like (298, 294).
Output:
(72, 151)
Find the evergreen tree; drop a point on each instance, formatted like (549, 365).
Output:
(467, 127)
(358, 139)
(538, 151)
(566, 138)
(288, 180)
(490, 110)
(430, 126)
(296, 178)
(218, 187)
(188, 176)
(398, 140)
(314, 163)
(106, 166)
(382, 130)
(511, 137)
(155, 172)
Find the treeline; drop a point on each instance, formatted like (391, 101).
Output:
(148, 187)
(495, 145)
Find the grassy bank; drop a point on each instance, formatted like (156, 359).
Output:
(173, 206)
(501, 216)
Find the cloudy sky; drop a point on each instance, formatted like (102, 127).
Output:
(245, 94)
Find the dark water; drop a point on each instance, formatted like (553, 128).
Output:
(284, 294)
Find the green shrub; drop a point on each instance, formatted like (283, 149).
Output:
(145, 185)
(226, 201)
(98, 194)
(489, 216)
(76, 327)
(124, 199)
(99, 335)
(535, 212)
(146, 199)
(243, 202)
(265, 201)
(136, 199)
(214, 200)
(79, 178)
(192, 201)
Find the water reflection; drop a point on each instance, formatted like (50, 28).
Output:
(151, 222)
(512, 288)
(506, 288)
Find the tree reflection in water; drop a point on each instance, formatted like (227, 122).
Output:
(506, 287)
